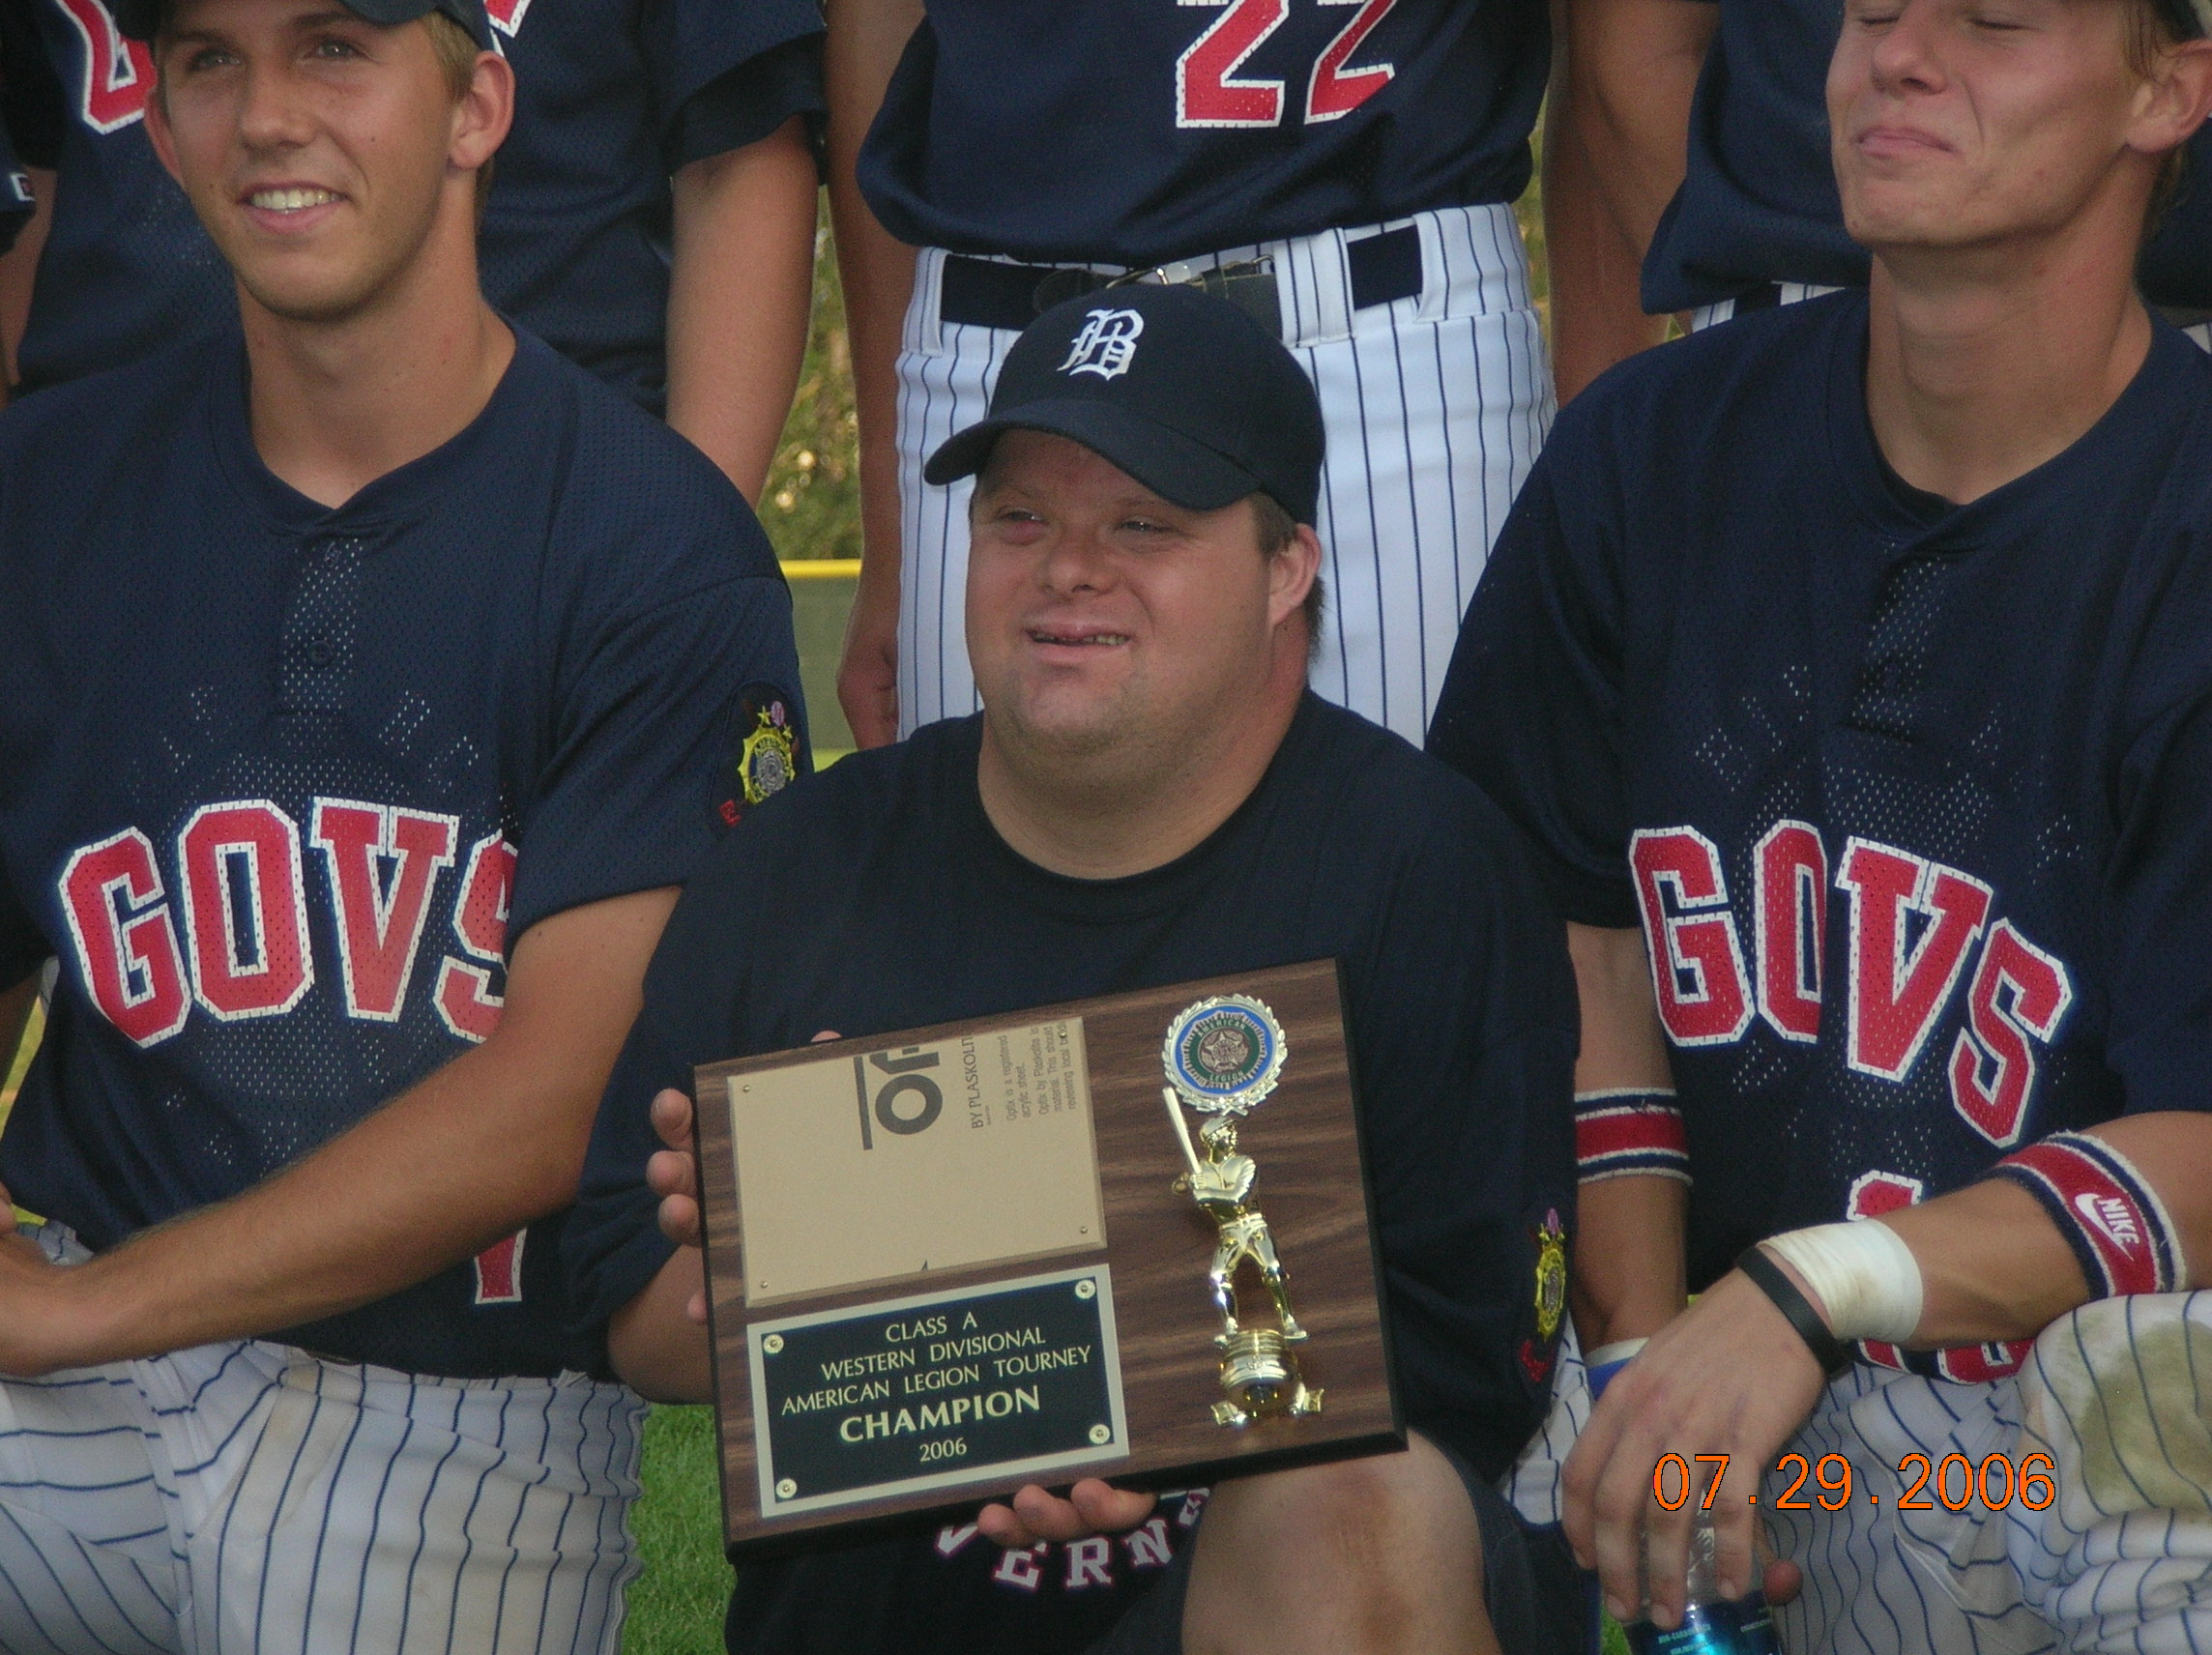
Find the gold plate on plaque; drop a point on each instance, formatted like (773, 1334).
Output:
(844, 1164)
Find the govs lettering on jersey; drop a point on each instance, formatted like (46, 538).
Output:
(245, 950)
(229, 930)
(1914, 926)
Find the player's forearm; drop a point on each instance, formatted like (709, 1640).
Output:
(738, 298)
(19, 271)
(1628, 1279)
(1994, 1265)
(1629, 1243)
(1615, 140)
(488, 1143)
(15, 1014)
(861, 49)
(1598, 312)
(655, 1345)
(1623, 1043)
(389, 1204)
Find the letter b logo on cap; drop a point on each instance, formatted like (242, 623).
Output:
(1105, 344)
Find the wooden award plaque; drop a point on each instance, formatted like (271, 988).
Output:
(945, 1263)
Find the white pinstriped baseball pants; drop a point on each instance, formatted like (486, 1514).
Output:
(2117, 1393)
(1435, 407)
(248, 1498)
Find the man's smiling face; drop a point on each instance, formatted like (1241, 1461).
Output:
(1962, 121)
(1099, 614)
(314, 146)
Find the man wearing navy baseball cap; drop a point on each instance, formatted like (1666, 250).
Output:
(1151, 794)
(142, 20)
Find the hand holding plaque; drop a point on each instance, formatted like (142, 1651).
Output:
(948, 1261)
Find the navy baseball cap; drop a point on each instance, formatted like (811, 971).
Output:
(1182, 390)
(140, 19)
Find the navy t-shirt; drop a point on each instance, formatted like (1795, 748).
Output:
(1759, 203)
(1100, 131)
(612, 97)
(1911, 805)
(834, 908)
(282, 784)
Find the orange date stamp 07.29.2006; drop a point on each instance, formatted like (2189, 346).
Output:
(1955, 1482)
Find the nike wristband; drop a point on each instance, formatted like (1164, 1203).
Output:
(2120, 1229)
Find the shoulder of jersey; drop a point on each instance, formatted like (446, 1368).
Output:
(1396, 798)
(630, 468)
(1679, 391)
(836, 815)
(105, 405)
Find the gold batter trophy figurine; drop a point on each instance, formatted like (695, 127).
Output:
(1223, 1057)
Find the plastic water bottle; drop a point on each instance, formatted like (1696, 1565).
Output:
(1711, 1625)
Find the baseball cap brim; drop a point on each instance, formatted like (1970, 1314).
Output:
(1178, 468)
(139, 19)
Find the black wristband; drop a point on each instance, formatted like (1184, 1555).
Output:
(1833, 1356)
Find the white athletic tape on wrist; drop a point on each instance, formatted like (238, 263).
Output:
(1867, 1278)
(2120, 1229)
(1631, 1130)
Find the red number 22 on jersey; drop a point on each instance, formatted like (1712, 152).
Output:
(1208, 94)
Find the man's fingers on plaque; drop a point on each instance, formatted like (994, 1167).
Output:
(1003, 1526)
(680, 1220)
(672, 1119)
(826, 1034)
(695, 1308)
(1038, 1513)
(1108, 1510)
(670, 1172)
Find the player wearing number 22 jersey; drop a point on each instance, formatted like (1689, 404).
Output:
(1348, 168)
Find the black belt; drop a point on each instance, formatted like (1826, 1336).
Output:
(982, 293)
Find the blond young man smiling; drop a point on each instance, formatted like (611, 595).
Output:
(437, 653)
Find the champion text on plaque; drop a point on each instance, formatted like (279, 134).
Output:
(947, 1262)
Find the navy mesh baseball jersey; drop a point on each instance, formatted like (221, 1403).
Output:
(612, 97)
(1759, 201)
(1130, 132)
(1910, 801)
(845, 905)
(280, 784)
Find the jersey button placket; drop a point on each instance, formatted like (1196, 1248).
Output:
(315, 658)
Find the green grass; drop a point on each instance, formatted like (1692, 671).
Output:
(676, 1607)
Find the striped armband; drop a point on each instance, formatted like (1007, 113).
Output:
(1629, 1131)
(2110, 1217)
